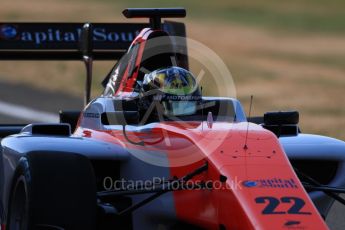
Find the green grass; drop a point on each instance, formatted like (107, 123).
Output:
(326, 16)
(324, 60)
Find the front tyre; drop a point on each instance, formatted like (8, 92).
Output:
(18, 218)
(53, 191)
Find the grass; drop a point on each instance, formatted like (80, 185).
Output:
(288, 54)
(295, 15)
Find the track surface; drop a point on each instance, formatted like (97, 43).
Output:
(22, 96)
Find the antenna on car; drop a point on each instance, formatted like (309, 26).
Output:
(202, 111)
(245, 147)
(86, 47)
(155, 14)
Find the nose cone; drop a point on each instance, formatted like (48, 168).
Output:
(253, 187)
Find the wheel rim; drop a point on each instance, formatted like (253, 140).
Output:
(18, 215)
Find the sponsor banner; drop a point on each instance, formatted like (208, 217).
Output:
(65, 36)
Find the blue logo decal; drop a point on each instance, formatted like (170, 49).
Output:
(249, 183)
(271, 183)
(292, 223)
(8, 32)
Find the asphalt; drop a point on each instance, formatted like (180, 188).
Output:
(52, 102)
(36, 99)
(336, 217)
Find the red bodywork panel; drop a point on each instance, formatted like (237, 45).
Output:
(253, 188)
(128, 82)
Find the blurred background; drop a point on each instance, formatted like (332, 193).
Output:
(288, 54)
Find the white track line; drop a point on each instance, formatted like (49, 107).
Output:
(26, 113)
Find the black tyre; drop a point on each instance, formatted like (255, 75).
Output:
(53, 191)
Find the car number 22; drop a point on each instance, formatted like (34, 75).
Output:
(273, 203)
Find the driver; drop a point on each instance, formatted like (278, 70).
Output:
(171, 91)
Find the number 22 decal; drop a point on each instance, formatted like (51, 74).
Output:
(273, 203)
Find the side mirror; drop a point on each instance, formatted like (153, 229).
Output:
(282, 123)
(281, 118)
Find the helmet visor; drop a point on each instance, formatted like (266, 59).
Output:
(174, 81)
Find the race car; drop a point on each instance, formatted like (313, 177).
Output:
(152, 152)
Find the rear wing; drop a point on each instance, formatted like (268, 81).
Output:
(86, 42)
(61, 41)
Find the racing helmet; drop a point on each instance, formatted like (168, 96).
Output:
(175, 89)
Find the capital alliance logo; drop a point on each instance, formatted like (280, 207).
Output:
(271, 183)
(8, 32)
